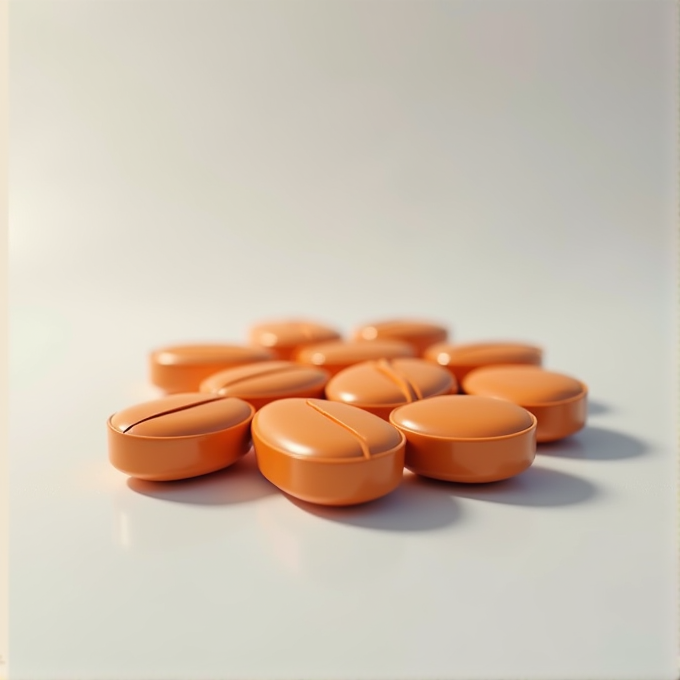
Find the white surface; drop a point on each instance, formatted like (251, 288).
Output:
(180, 170)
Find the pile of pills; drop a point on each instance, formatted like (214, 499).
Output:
(335, 421)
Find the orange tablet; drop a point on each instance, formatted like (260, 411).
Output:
(266, 381)
(182, 368)
(419, 334)
(558, 401)
(334, 356)
(460, 438)
(327, 453)
(382, 385)
(284, 338)
(465, 357)
(179, 436)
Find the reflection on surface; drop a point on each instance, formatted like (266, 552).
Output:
(157, 517)
(147, 525)
(123, 521)
(536, 486)
(96, 476)
(414, 506)
(329, 555)
(320, 544)
(595, 443)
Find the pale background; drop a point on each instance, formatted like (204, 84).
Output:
(182, 169)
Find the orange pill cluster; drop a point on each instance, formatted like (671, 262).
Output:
(336, 420)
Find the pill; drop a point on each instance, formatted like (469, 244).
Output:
(182, 368)
(326, 452)
(179, 436)
(462, 358)
(339, 354)
(265, 381)
(284, 338)
(558, 401)
(461, 438)
(419, 334)
(380, 386)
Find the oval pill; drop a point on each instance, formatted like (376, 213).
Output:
(326, 452)
(419, 334)
(558, 401)
(284, 338)
(182, 368)
(382, 385)
(463, 438)
(179, 436)
(266, 381)
(462, 358)
(334, 356)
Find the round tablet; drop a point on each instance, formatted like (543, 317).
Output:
(419, 334)
(558, 401)
(380, 386)
(334, 356)
(182, 368)
(266, 381)
(284, 338)
(327, 453)
(179, 436)
(459, 438)
(465, 357)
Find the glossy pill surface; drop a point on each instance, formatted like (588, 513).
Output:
(284, 338)
(419, 334)
(462, 358)
(462, 438)
(558, 401)
(179, 436)
(382, 385)
(334, 356)
(326, 452)
(182, 368)
(266, 381)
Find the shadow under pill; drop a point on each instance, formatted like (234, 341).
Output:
(596, 408)
(239, 483)
(413, 506)
(595, 443)
(535, 487)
